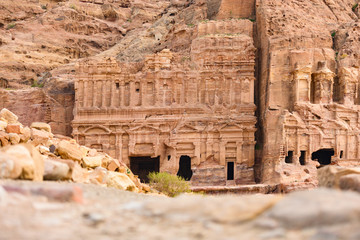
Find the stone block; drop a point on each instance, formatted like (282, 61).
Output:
(24, 162)
(25, 134)
(55, 170)
(113, 165)
(3, 125)
(98, 176)
(41, 126)
(4, 139)
(13, 128)
(92, 162)
(14, 138)
(68, 150)
(40, 136)
(120, 181)
(8, 116)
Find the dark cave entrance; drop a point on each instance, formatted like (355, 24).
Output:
(185, 168)
(323, 156)
(142, 166)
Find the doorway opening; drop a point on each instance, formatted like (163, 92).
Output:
(289, 157)
(142, 166)
(185, 168)
(323, 156)
(230, 171)
(302, 157)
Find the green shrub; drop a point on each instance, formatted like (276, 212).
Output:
(168, 184)
(333, 34)
(10, 26)
(36, 84)
(355, 6)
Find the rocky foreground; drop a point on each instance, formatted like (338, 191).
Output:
(52, 210)
(33, 153)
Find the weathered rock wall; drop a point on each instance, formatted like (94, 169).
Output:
(36, 105)
(297, 114)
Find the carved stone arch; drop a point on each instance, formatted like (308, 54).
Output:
(97, 129)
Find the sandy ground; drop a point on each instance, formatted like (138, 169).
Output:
(106, 213)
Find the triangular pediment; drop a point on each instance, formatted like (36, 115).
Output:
(230, 127)
(144, 129)
(187, 128)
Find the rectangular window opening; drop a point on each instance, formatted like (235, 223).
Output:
(117, 85)
(341, 154)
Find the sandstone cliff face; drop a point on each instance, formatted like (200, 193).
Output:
(307, 65)
(295, 43)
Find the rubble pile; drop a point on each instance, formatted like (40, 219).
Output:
(34, 153)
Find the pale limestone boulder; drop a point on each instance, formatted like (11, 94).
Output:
(3, 125)
(40, 136)
(98, 176)
(113, 165)
(84, 149)
(92, 162)
(41, 126)
(8, 116)
(25, 134)
(8, 167)
(329, 176)
(27, 160)
(55, 170)
(92, 152)
(120, 181)
(110, 163)
(43, 149)
(14, 138)
(70, 150)
(4, 139)
(79, 174)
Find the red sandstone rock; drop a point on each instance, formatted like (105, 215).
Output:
(13, 128)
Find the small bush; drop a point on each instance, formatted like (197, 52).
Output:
(168, 184)
(354, 7)
(36, 84)
(44, 7)
(10, 26)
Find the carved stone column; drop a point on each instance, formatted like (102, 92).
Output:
(324, 79)
(301, 83)
(348, 87)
